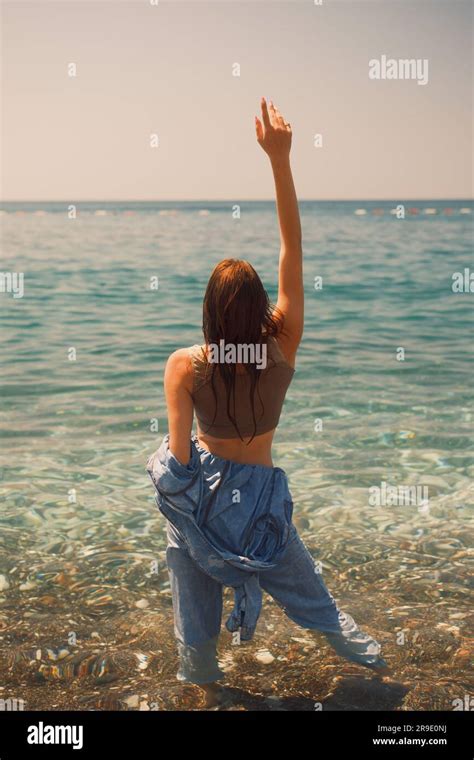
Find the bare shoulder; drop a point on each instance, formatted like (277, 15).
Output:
(179, 368)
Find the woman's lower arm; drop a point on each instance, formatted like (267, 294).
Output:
(287, 204)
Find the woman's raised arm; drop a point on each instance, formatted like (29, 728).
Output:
(274, 135)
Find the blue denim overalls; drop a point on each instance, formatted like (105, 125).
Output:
(230, 524)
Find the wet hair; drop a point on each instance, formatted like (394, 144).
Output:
(237, 309)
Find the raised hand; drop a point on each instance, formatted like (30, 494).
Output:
(274, 134)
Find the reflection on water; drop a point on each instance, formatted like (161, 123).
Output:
(85, 607)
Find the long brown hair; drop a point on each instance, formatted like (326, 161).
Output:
(237, 309)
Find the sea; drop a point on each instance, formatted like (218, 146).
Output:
(376, 437)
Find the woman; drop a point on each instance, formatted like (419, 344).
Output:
(237, 399)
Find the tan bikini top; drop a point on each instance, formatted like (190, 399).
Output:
(268, 396)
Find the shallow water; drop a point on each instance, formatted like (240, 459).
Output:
(82, 543)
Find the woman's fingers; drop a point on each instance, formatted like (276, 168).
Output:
(277, 118)
(273, 131)
(273, 115)
(265, 116)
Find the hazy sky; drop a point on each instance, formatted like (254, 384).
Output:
(168, 69)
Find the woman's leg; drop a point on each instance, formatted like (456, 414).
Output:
(197, 608)
(297, 585)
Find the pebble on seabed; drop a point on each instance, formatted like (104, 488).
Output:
(264, 656)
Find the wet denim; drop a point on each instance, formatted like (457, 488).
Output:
(235, 520)
(273, 558)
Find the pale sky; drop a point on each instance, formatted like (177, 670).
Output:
(167, 70)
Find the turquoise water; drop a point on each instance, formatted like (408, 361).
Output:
(77, 433)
